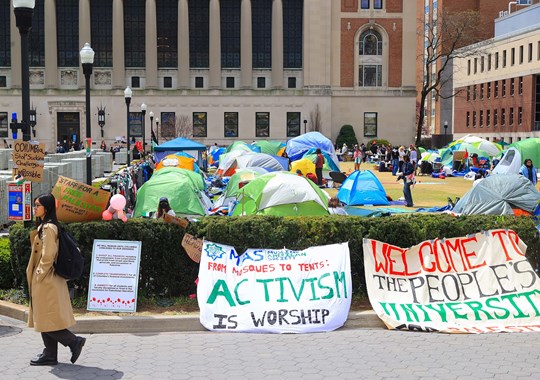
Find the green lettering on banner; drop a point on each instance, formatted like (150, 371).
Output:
(313, 292)
(454, 307)
(408, 309)
(240, 302)
(282, 289)
(340, 278)
(330, 293)
(265, 283)
(477, 307)
(498, 316)
(221, 289)
(439, 309)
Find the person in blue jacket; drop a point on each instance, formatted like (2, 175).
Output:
(528, 171)
(408, 179)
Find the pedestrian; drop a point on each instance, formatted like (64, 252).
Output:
(395, 160)
(414, 157)
(113, 152)
(408, 180)
(528, 171)
(50, 311)
(364, 150)
(319, 163)
(103, 146)
(285, 155)
(357, 156)
(164, 208)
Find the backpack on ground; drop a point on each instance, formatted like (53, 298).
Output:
(70, 262)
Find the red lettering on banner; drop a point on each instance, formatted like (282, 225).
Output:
(378, 265)
(429, 253)
(468, 254)
(514, 240)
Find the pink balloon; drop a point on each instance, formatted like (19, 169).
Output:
(106, 215)
(118, 202)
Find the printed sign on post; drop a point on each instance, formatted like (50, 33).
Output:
(20, 201)
(28, 160)
(475, 284)
(114, 276)
(276, 291)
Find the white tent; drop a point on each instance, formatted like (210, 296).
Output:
(509, 163)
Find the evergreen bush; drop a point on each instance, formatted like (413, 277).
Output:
(346, 135)
(7, 279)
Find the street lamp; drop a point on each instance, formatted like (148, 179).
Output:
(24, 9)
(152, 136)
(87, 60)
(101, 118)
(33, 118)
(305, 125)
(127, 96)
(445, 128)
(143, 112)
(157, 130)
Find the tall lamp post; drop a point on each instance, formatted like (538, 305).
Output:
(151, 114)
(101, 118)
(305, 125)
(157, 130)
(143, 112)
(24, 9)
(87, 60)
(127, 96)
(445, 128)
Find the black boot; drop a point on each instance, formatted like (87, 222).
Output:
(76, 348)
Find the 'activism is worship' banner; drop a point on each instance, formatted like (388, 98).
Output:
(276, 291)
(474, 284)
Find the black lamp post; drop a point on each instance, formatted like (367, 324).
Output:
(127, 96)
(87, 60)
(24, 9)
(101, 118)
(157, 130)
(305, 125)
(151, 114)
(143, 112)
(445, 128)
(33, 119)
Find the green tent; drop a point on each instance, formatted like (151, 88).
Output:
(241, 175)
(181, 186)
(270, 147)
(282, 194)
(528, 148)
(239, 145)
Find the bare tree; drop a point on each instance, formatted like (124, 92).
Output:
(444, 39)
(183, 126)
(315, 120)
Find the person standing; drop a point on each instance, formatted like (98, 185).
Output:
(395, 160)
(319, 163)
(414, 157)
(528, 171)
(357, 158)
(408, 180)
(50, 311)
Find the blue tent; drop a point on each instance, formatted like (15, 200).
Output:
(362, 188)
(179, 144)
(298, 146)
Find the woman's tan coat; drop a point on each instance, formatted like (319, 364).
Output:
(50, 306)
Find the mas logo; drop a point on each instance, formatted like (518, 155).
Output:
(214, 251)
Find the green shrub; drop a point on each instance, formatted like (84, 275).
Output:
(379, 142)
(346, 135)
(7, 279)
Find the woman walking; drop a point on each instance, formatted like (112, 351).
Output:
(50, 310)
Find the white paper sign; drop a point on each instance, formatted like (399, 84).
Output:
(276, 291)
(114, 276)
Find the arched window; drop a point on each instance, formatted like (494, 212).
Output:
(370, 50)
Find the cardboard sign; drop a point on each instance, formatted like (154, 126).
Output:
(78, 202)
(174, 220)
(474, 284)
(193, 247)
(28, 159)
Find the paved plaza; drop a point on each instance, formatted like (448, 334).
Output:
(343, 354)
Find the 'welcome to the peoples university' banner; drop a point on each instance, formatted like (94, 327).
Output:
(276, 291)
(474, 284)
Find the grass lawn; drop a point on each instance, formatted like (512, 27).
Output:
(428, 191)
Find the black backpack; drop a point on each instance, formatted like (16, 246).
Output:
(70, 262)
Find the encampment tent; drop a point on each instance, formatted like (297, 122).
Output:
(362, 188)
(499, 195)
(179, 160)
(281, 193)
(262, 160)
(180, 144)
(298, 146)
(182, 187)
(509, 163)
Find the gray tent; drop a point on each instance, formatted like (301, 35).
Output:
(498, 195)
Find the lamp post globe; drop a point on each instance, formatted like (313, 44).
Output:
(87, 61)
(127, 96)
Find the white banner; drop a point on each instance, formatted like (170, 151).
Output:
(475, 284)
(114, 276)
(276, 291)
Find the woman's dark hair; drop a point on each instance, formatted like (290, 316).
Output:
(527, 160)
(318, 150)
(49, 204)
(163, 208)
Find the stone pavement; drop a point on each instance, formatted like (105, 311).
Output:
(342, 354)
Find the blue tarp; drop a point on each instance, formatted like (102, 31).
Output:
(179, 144)
(298, 146)
(362, 188)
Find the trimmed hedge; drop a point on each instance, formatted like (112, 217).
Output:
(166, 270)
(7, 279)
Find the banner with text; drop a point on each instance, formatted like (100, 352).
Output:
(77, 201)
(276, 291)
(28, 160)
(474, 284)
(114, 275)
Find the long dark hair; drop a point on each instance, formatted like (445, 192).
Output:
(163, 208)
(49, 203)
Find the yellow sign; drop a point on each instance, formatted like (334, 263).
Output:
(78, 202)
(28, 160)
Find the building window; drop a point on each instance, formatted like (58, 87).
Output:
(512, 56)
(377, 4)
(168, 124)
(489, 62)
(3, 81)
(134, 33)
(167, 33)
(496, 60)
(468, 67)
(482, 64)
(293, 124)
(520, 115)
(503, 117)
(474, 119)
(261, 82)
(504, 59)
(4, 121)
(230, 33)
(488, 90)
(370, 124)
(481, 119)
(481, 91)
(293, 27)
(199, 33)
(5, 35)
(229, 82)
(370, 49)
(520, 86)
(291, 82)
(199, 124)
(520, 54)
(364, 4)
(36, 36)
(135, 82)
(503, 88)
(199, 82)
(468, 120)
(512, 86)
(530, 52)
(67, 33)
(167, 82)
(496, 89)
(475, 65)
(511, 116)
(101, 25)
(488, 118)
(474, 92)
(230, 121)
(262, 124)
(261, 11)
(468, 93)
(135, 124)
(495, 117)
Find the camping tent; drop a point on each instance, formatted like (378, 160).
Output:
(362, 188)
(281, 193)
(509, 163)
(179, 160)
(269, 147)
(329, 164)
(241, 145)
(498, 195)
(180, 144)
(262, 160)
(182, 187)
(528, 148)
(298, 146)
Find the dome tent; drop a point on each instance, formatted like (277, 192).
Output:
(298, 146)
(362, 188)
